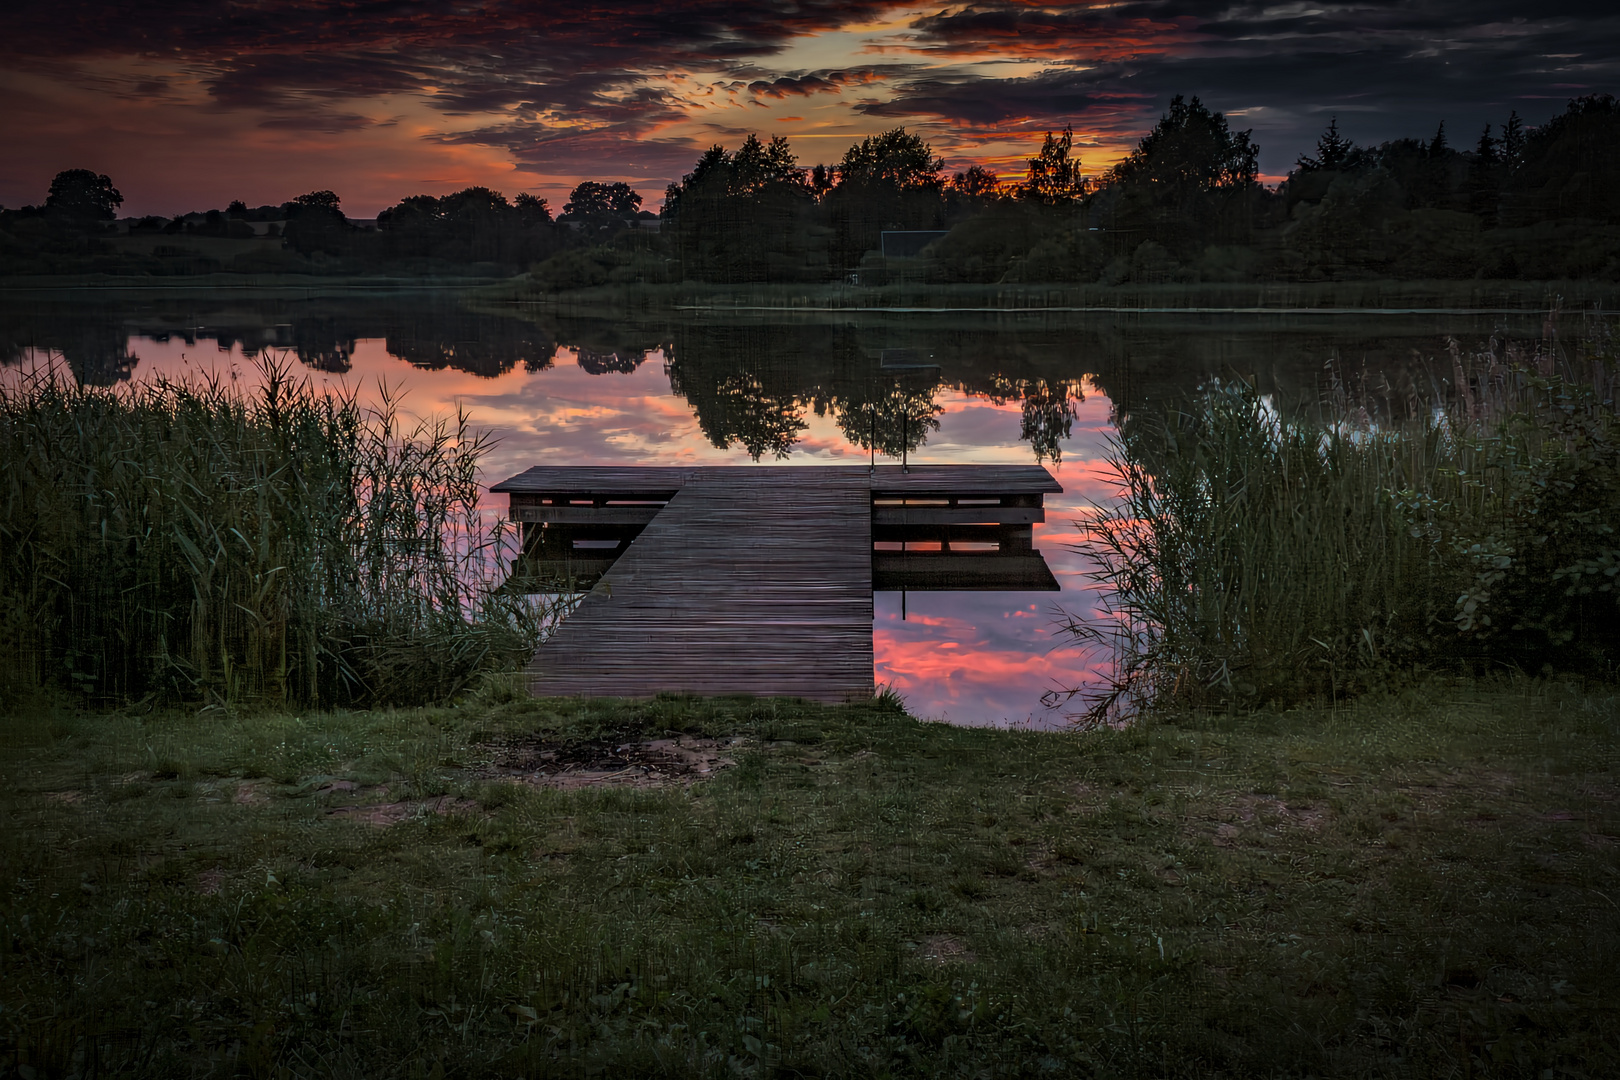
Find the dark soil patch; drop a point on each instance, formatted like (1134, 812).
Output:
(633, 762)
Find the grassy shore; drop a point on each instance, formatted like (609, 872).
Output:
(1397, 296)
(1421, 884)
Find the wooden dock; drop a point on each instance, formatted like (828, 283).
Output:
(758, 580)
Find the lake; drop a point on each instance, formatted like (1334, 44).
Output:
(677, 388)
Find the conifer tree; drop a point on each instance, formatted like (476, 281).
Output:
(1333, 151)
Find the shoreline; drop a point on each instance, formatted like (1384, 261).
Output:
(1382, 297)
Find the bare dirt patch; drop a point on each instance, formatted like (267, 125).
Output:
(1088, 798)
(392, 813)
(630, 763)
(945, 949)
(248, 793)
(1266, 812)
(336, 786)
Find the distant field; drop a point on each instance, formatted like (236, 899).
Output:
(1421, 884)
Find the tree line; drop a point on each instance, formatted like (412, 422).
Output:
(1186, 204)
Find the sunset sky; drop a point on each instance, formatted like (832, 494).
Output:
(188, 104)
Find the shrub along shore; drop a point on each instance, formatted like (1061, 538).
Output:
(1415, 884)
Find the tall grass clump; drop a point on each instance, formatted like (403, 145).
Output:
(192, 540)
(1253, 557)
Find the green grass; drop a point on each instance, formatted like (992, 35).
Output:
(1417, 884)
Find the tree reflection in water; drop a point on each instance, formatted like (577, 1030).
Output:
(750, 384)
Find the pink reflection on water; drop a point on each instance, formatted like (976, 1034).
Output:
(961, 657)
(995, 671)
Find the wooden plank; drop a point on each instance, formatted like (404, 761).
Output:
(750, 581)
(962, 480)
(657, 481)
(586, 515)
(962, 573)
(957, 515)
(627, 481)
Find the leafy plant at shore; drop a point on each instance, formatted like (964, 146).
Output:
(1254, 557)
(1531, 511)
(191, 540)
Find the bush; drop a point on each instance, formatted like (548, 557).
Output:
(1530, 515)
(1259, 558)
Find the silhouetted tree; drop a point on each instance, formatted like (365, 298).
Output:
(1569, 167)
(1512, 140)
(474, 225)
(83, 195)
(742, 216)
(599, 207)
(1485, 178)
(1054, 177)
(822, 180)
(319, 200)
(532, 210)
(1189, 181)
(977, 182)
(315, 224)
(894, 161)
(1334, 152)
(1437, 145)
(887, 181)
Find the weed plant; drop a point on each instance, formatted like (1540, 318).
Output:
(196, 541)
(1255, 557)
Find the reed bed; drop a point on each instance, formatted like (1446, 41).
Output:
(192, 540)
(1253, 557)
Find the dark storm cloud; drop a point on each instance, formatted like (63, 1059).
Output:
(1387, 69)
(295, 58)
(606, 150)
(559, 77)
(825, 82)
(989, 102)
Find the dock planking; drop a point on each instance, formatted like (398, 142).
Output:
(750, 580)
(757, 583)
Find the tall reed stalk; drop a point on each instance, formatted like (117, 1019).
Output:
(193, 540)
(1255, 557)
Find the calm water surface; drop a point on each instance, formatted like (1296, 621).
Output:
(676, 391)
